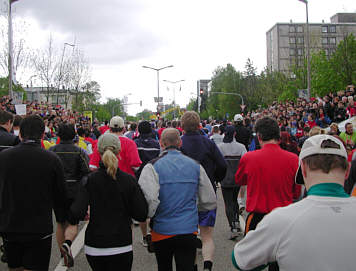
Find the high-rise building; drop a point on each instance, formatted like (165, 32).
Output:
(287, 42)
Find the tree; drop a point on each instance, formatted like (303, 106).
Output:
(343, 61)
(21, 51)
(46, 63)
(89, 97)
(144, 115)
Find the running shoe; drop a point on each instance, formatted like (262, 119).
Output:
(66, 252)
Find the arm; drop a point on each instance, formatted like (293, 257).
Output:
(79, 208)
(221, 167)
(138, 203)
(351, 180)
(83, 163)
(241, 174)
(58, 191)
(206, 193)
(149, 184)
(135, 161)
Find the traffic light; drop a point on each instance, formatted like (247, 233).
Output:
(201, 92)
(140, 103)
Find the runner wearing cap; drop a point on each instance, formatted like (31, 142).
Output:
(317, 233)
(243, 135)
(129, 160)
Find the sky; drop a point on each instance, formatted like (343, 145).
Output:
(195, 36)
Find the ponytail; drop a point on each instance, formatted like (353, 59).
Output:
(111, 162)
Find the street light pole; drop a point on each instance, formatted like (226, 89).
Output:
(157, 70)
(308, 47)
(174, 92)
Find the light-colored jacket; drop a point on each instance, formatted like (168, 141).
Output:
(176, 187)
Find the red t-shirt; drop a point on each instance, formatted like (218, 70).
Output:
(103, 129)
(160, 131)
(269, 175)
(128, 157)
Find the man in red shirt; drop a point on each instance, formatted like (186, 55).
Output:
(129, 160)
(268, 173)
(104, 128)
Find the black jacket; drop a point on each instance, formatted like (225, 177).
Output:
(113, 203)
(7, 139)
(31, 186)
(75, 162)
(243, 135)
(205, 151)
(148, 149)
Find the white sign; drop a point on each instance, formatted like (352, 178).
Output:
(20, 109)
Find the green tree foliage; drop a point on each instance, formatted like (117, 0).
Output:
(144, 115)
(4, 87)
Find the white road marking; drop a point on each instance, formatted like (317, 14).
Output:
(76, 247)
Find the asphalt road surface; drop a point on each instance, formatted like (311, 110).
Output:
(144, 261)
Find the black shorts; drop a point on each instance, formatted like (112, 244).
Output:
(28, 252)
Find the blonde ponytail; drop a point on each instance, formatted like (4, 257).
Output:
(110, 161)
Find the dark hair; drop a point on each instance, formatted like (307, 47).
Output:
(116, 130)
(267, 128)
(66, 132)
(32, 127)
(144, 127)
(133, 126)
(17, 121)
(5, 117)
(80, 131)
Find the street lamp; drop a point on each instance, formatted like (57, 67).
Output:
(60, 67)
(174, 92)
(308, 46)
(157, 70)
(174, 89)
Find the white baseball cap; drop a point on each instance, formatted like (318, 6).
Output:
(314, 145)
(117, 122)
(238, 117)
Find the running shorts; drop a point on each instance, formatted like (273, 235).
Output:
(28, 253)
(207, 218)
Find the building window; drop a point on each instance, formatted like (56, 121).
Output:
(324, 40)
(332, 29)
(324, 29)
(300, 29)
(332, 40)
(292, 52)
(300, 40)
(300, 51)
(292, 29)
(326, 52)
(292, 40)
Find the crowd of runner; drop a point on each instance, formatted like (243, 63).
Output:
(118, 174)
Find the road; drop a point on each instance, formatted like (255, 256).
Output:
(144, 261)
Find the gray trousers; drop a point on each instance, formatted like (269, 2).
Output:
(231, 204)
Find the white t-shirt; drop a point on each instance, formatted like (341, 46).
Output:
(317, 233)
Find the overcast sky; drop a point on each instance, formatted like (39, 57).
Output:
(196, 36)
